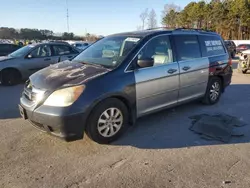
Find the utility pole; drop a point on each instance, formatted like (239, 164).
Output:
(67, 15)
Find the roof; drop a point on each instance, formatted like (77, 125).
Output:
(8, 44)
(157, 31)
(143, 33)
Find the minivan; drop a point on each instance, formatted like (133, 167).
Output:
(103, 90)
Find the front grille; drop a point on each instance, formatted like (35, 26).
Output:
(30, 92)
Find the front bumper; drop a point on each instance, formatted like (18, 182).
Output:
(55, 121)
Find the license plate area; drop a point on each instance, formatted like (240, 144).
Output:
(22, 112)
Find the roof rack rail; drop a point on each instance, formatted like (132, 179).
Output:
(193, 29)
(159, 28)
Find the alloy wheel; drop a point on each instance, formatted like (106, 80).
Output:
(110, 122)
(215, 91)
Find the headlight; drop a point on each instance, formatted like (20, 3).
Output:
(64, 97)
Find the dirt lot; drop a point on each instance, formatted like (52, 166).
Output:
(159, 151)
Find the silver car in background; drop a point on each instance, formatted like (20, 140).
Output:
(20, 64)
(81, 45)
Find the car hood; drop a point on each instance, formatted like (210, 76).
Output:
(65, 74)
(5, 58)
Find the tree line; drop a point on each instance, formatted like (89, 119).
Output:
(36, 34)
(229, 18)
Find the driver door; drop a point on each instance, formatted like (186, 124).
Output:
(39, 58)
(157, 87)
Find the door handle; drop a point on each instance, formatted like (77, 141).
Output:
(47, 59)
(186, 68)
(70, 56)
(171, 71)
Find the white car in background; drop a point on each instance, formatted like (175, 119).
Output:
(244, 63)
(244, 54)
(81, 45)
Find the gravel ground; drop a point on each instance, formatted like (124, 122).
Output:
(159, 151)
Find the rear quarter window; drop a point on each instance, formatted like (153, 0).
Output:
(187, 47)
(211, 45)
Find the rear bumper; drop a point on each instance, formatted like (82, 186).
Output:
(69, 127)
(227, 77)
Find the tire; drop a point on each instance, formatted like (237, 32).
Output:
(214, 84)
(233, 55)
(244, 71)
(10, 77)
(98, 123)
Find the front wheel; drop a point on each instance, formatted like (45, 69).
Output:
(107, 121)
(213, 93)
(244, 71)
(10, 77)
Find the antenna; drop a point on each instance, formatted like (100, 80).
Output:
(67, 15)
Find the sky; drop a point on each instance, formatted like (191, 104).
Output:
(101, 17)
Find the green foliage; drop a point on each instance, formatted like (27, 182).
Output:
(35, 34)
(230, 18)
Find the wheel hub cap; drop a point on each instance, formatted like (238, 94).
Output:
(110, 122)
(215, 91)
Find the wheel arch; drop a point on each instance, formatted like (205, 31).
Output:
(10, 68)
(123, 99)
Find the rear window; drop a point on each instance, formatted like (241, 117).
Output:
(232, 42)
(211, 45)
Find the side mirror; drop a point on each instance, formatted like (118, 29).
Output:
(142, 63)
(29, 56)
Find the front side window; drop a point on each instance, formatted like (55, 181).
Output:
(158, 49)
(187, 47)
(78, 45)
(109, 51)
(211, 45)
(41, 51)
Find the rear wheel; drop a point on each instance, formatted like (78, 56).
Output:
(213, 93)
(233, 54)
(244, 71)
(107, 121)
(10, 77)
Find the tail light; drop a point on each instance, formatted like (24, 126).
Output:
(230, 61)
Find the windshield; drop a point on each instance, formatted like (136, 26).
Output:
(21, 52)
(109, 51)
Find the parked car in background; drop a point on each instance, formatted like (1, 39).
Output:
(231, 47)
(25, 61)
(101, 92)
(81, 45)
(6, 49)
(244, 62)
(242, 47)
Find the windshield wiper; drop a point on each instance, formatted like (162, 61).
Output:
(94, 64)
